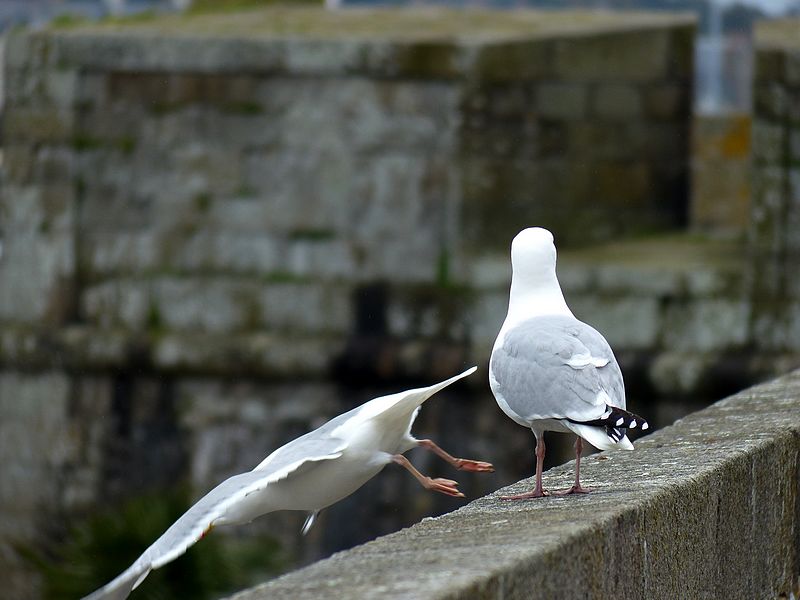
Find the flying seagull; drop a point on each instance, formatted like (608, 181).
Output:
(551, 372)
(308, 474)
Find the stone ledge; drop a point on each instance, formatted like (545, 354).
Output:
(706, 508)
(427, 43)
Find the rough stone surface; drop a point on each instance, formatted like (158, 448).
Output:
(721, 174)
(668, 520)
(774, 235)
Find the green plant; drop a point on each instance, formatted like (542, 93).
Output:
(103, 545)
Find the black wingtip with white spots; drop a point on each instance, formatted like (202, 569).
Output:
(616, 422)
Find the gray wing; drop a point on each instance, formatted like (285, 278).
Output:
(196, 522)
(555, 367)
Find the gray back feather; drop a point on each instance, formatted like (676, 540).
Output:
(533, 376)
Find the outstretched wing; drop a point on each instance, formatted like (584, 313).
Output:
(196, 521)
(556, 367)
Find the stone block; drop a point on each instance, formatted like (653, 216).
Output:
(792, 69)
(721, 173)
(794, 145)
(486, 314)
(38, 210)
(228, 251)
(216, 305)
(707, 325)
(682, 54)
(308, 308)
(609, 140)
(118, 303)
(212, 169)
(426, 312)
(304, 189)
(327, 259)
(679, 373)
(768, 142)
(646, 280)
(264, 355)
(702, 282)
(42, 267)
(771, 101)
(38, 125)
(509, 101)
(489, 272)
(633, 55)
(666, 100)
(514, 61)
(52, 165)
(618, 184)
(35, 440)
(617, 101)
(628, 323)
(103, 253)
(769, 65)
(60, 87)
(794, 190)
(769, 200)
(793, 112)
(28, 50)
(568, 101)
(92, 90)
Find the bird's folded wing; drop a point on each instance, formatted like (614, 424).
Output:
(314, 446)
(196, 521)
(553, 367)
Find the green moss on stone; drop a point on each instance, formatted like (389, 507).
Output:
(82, 142)
(67, 20)
(202, 202)
(246, 191)
(443, 268)
(312, 234)
(163, 108)
(155, 322)
(145, 16)
(203, 7)
(80, 186)
(243, 108)
(283, 277)
(126, 144)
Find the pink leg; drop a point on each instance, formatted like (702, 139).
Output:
(538, 491)
(462, 464)
(577, 488)
(443, 486)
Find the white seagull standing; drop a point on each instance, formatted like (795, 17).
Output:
(308, 474)
(551, 372)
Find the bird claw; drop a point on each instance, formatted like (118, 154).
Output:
(444, 486)
(575, 489)
(475, 466)
(527, 495)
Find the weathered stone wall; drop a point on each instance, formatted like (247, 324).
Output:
(720, 186)
(587, 136)
(706, 508)
(775, 233)
(200, 214)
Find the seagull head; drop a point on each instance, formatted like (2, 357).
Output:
(534, 286)
(533, 257)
